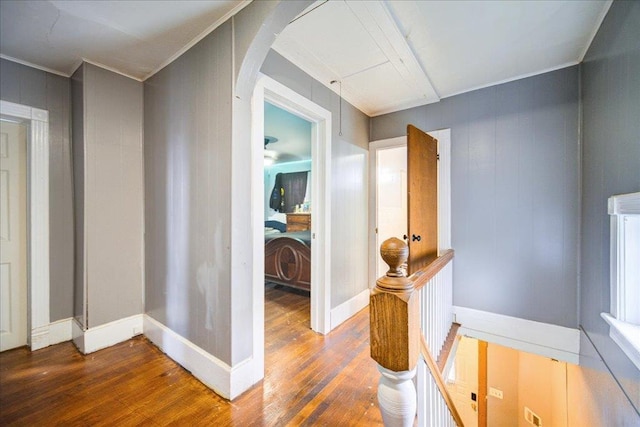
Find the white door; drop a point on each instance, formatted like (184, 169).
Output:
(465, 381)
(13, 235)
(391, 200)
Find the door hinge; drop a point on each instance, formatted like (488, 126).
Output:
(438, 156)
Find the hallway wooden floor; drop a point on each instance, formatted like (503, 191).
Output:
(310, 380)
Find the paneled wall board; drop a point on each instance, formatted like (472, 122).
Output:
(349, 164)
(39, 89)
(187, 157)
(610, 165)
(114, 197)
(514, 193)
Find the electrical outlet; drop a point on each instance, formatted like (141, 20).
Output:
(532, 418)
(495, 392)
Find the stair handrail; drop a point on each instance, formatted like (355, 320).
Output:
(421, 277)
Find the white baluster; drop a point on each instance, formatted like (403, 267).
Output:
(397, 397)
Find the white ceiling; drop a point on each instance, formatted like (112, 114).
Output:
(135, 38)
(422, 51)
(386, 55)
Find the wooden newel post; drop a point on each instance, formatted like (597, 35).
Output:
(395, 339)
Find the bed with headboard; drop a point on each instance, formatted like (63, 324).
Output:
(287, 256)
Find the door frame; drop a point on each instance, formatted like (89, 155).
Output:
(267, 89)
(38, 281)
(444, 192)
(374, 147)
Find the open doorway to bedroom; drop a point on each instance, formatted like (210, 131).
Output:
(288, 214)
(318, 206)
(277, 94)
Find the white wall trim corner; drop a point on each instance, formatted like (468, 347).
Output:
(349, 308)
(244, 375)
(38, 226)
(39, 338)
(77, 334)
(213, 372)
(61, 331)
(103, 336)
(53, 333)
(545, 339)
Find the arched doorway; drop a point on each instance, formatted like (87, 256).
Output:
(248, 251)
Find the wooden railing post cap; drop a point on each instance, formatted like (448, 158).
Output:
(394, 252)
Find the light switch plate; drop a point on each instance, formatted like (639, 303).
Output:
(495, 392)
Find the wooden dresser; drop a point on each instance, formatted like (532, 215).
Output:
(299, 221)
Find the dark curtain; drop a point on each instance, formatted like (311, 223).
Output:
(289, 190)
(295, 187)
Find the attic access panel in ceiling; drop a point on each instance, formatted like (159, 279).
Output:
(358, 44)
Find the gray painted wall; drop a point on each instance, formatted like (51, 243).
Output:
(29, 86)
(187, 155)
(349, 180)
(189, 197)
(595, 397)
(77, 114)
(610, 165)
(515, 200)
(113, 196)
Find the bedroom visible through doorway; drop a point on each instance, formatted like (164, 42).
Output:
(288, 213)
(277, 94)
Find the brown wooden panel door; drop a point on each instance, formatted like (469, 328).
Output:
(422, 178)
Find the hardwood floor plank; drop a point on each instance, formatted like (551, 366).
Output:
(310, 379)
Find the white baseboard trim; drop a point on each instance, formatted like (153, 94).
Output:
(60, 331)
(349, 308)
(77, 334)
(53, 333)
(556, 342)
(243, 376)
(39, 338)
(213, 372)
(103, 336)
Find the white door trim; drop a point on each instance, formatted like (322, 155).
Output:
(38, 218)
(399, 141)
(320, 118)
(444, 191)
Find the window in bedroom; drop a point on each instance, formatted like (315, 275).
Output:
(624, 319)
